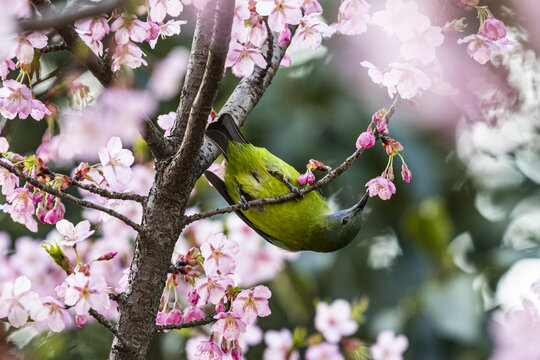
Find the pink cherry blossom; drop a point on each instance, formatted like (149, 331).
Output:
(56, 213)
(166, 122)
(127, 27)
(280, 12)
(229, 325)
(324, 351)
(382, 187)
(212, 288)
(493, 29)
(160, 8)
(353, 17)
(284, 36)
(57, 317)
(312, 6)
(8, 181)
(6, 64)
(73, 234)
(389, 346)
(480, 47)
(218, 253)
(170, 28)
(17, 99)
(306, 178)
(310, 32)
(116, 161)
(252, 303)
(334, 320)
(193, 313)
(407, 80)
(208, 350)
(96, 27)
(22, 201)
(242, 59)
(24, 50)
(279, 345)
(127, 54)
(374, 72)
(18, 302)
(94, 44)
(85, 292)
(420, 40)
(397, 17)
(365, 140)
(25, 219)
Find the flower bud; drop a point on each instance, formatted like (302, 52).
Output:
(58, 257)
(493, 29)
(392, 146)
(365, 140)
(107, 256)
(81, 320)
(193, 298)
(405, 172)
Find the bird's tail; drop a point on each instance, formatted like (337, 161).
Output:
(223, 130)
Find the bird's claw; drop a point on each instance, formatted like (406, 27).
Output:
(295, 190)
(243, 203)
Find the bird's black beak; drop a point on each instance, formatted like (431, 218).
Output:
(361, 204)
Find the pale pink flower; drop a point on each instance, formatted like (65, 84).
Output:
(365, 140)
(243, 59)
(193, 313)
(218, 253)
(334, 320)
(397, 17)
(374, 72)
(85, 292)
(57, 316)
(170, 28)
(229, 325)
(280, 12)
(56, 213)
(127, 54)
(25, 219)
(480, 47)
(389, 346)
(160, 8)
(353, 17)
(407, 80)
(22, 201)
(312, 6)
(96, 27)
(212, 288)
(127, 27)
(279, 344)
(24, 50)
(94, 44)
(310, 32)
(18, 302)
(324, 351)
(166, 122)
(382, 187)
(6, 64)
(493, 29)
(252, 303)
(8, 181)
(73, 234)
(208, 350)
(239, 26)
(17, 99)
(284, 36)
(420, 40)
(116, 161)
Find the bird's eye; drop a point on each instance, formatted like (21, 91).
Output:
(345, 220)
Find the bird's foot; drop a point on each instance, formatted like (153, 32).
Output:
(243, 203)
(294, 190)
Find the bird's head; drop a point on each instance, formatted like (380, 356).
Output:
(341, 227)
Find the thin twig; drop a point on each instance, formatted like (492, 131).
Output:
(293, 195)
(189, 324)
(69, 17)
(64, 196)
(54, 47)
(107, 325)
(109, 194)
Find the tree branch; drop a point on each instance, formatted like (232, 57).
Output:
(107, 325)
(109, 194)
(53, 20)
(99, 68)
(189, 324)
(195, 70)
(64, 196)
(54, 47)
(158, 145)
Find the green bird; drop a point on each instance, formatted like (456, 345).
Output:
(253, 173)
